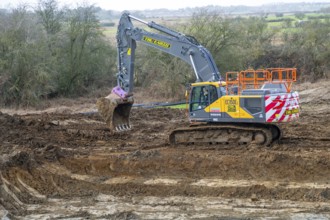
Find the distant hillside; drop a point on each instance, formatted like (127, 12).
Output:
(230, 10)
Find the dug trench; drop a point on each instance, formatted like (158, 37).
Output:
(69, 165)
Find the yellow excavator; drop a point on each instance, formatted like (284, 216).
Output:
(243, 108)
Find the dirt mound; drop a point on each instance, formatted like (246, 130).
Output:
(56, 165)
(311, 93)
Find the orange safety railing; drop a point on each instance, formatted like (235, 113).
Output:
(280, 75)
(254, 79)
(232, 82)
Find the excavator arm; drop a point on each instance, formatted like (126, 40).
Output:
(115, 108)
(179, 45)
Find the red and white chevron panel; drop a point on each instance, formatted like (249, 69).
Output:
(282, 108)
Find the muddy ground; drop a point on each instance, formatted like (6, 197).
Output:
(67, 165)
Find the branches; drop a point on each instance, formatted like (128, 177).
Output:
(51, 51)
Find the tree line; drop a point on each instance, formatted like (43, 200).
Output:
(52, 52)
(236, 44)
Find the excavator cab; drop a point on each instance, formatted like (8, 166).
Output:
(202, 96)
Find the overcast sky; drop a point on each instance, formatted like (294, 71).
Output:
(121, 5)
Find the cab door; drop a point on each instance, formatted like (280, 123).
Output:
(215, 107)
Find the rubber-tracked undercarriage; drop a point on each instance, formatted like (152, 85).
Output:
(244, 134)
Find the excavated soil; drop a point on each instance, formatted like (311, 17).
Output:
(63, 165)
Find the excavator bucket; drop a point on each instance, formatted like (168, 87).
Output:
(115, 111)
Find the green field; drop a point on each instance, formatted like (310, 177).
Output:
(181, 106)
(290, 21)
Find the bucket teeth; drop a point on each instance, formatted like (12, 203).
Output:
(123, 127)
(128, 127)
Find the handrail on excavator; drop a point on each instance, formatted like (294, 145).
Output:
(254, 79)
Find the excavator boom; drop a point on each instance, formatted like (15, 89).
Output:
(115, 108)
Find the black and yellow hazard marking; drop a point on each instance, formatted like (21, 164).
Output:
(156, 42)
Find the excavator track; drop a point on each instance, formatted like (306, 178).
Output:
(260, 134)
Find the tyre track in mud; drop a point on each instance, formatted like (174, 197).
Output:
(46, 157)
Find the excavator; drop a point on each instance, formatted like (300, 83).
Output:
(243, 108)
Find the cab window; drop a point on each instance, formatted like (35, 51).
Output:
(213, 94)
(202, 96)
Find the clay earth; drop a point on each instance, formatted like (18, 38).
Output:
(60, 163)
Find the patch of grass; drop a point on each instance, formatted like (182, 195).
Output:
(110, 31)
(181, 106)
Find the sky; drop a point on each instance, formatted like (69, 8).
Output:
(121, 5)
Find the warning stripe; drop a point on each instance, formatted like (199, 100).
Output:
(277, 106)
